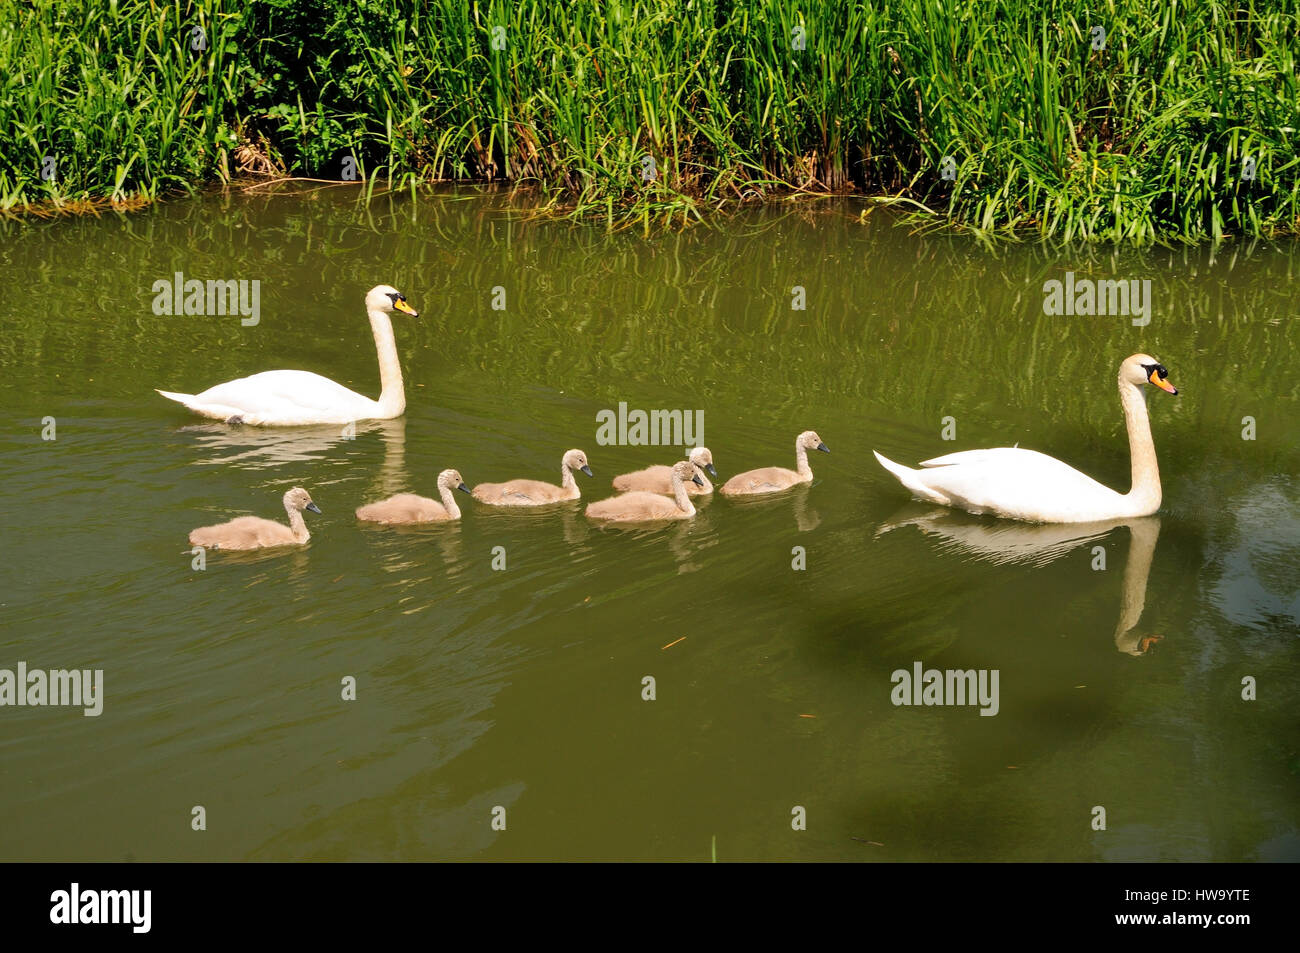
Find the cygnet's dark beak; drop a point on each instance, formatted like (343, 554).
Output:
(695, 478)
(463, 488)
(709, 467)
(313, 507)
(823, 448)
(587, 470)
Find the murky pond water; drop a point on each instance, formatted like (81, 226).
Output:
(479, 688)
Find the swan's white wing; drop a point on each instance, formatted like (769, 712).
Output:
(1016, 483)
(288, 397)
(1011, 456)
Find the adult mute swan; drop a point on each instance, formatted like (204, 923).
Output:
(293, 398)
(253, 532)
(772, 479)
(1031, 486)
(659, 478)
(640, 506)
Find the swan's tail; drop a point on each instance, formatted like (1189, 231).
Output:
(913, 480)
(186, 399)
(231, 415)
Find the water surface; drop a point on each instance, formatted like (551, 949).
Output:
(522, 689)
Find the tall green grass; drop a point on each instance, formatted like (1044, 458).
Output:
(114, 94)
(1143, 140)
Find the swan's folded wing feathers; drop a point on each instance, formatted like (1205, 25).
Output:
(999, 455)
(273, 392)
(1022, 484)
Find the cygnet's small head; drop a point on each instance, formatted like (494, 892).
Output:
(577, 460)
(388, 299)
(810, 441)
(452, 480)
(1144, 369)
(300, 499)
(685, 470)
(701, 457)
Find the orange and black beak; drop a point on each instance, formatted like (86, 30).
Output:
(399, 304)
(1159, 376)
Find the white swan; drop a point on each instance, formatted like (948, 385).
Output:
(294, 398)
(1031, 486)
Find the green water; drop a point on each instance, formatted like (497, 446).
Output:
(522, 689)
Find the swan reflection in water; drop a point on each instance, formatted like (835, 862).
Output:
(1031, 544)
(220, 444)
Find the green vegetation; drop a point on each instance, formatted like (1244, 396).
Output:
(1145, 139)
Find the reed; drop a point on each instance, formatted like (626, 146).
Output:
(1184, 126)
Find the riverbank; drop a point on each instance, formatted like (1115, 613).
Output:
(1176, 123)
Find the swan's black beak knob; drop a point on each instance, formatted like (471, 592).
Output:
(1160, 377)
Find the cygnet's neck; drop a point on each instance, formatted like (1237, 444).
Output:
(449, 500)
(297, 525)
(704, 478)
(683, 499)
(801, 461)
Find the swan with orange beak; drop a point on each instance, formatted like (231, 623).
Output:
(1026, 485)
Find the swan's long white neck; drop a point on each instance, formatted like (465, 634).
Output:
(1145, 494)
(392, 396)
(297, 525)
(683, 500)
(449, 501)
